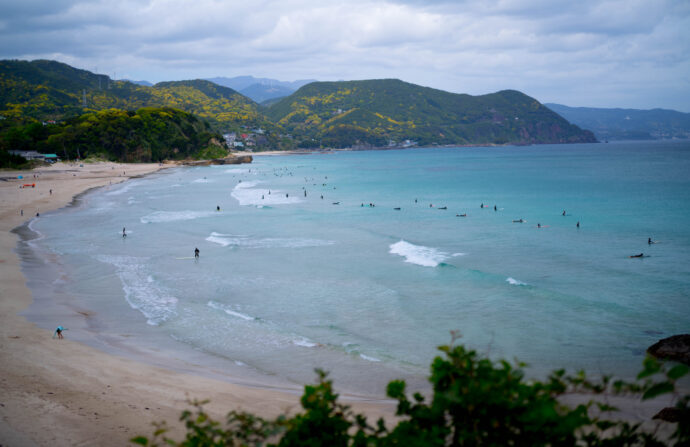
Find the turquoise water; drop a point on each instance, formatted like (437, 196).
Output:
(287, 282)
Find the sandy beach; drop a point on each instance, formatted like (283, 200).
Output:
(63, 393)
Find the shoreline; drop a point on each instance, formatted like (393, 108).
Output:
(65, 392)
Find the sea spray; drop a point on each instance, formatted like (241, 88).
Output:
(418, 254)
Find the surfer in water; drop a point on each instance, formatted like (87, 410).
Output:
(650, 241)
(124, 233)
(196, 253)
(641, 255)
(217, 207)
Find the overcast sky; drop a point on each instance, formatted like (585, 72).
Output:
(627, 53)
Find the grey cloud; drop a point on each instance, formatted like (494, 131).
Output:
(548, 48)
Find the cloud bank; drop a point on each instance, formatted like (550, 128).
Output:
(629, 53)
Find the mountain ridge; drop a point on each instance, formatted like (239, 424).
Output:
(627, 124)
(340, 114)
(378, 112)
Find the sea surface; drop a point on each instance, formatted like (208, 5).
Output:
(362, 262)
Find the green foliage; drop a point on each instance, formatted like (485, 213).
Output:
(11, 161)
(49, 90)
(149, 134)
(376, 111)
(475, 402)
(321, 114)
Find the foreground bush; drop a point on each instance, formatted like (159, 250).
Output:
(475, 402)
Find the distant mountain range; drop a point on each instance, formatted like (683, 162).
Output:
(627, 124)
(260, 89)
(373, 113)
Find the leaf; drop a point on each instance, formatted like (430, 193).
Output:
(658, 389)
(141, 440)
(677, 372)
(651, 367)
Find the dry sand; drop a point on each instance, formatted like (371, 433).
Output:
(62, 393)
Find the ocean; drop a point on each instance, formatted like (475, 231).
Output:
(362, 262)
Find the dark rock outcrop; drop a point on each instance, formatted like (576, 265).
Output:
(676, 348)
(231, 160)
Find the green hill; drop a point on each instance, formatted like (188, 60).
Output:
(147, 135)
(372, 113)
(377, 112)
(48, 90)
(627, 124)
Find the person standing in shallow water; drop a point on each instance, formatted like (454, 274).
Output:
(196, 253)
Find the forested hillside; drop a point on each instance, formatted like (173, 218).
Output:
(345, 114)
(49, 90)
(388, 111)
(147, 135)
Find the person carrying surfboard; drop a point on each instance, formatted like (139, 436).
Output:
(58, 332)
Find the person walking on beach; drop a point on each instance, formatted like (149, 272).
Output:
(196, 253)
(58, 332)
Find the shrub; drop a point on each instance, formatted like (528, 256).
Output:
(475, 402)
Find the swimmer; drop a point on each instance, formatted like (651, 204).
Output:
(577, 225)
(538, 225)
(495, 208)
(196, 253)
(563, 212)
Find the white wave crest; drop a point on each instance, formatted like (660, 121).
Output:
(229, 311)
(368, 358)
(418, 254)
(304, 343)
(246, 194)
(121, 189)
(515, 282)
(173, 216)
(142, 291)
(248, 242)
